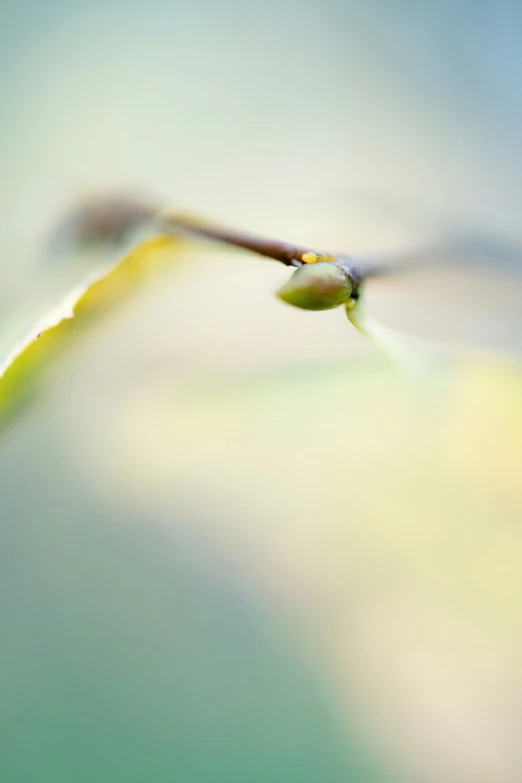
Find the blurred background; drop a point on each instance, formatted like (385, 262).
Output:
(236, 542)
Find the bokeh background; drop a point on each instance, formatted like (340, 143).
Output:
(237, 542)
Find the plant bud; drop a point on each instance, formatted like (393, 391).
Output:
(319, 286)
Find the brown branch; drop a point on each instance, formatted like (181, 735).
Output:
(109, 219)
(285, 252)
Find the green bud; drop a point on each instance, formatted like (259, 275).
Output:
(319, 286)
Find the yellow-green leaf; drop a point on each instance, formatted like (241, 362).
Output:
(54, 328)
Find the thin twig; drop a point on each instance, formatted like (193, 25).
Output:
(109, 218)
(285, 252)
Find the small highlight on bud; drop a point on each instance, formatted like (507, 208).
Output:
(318, 286)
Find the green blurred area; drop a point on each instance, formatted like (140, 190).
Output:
(235, 542)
